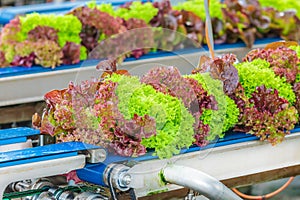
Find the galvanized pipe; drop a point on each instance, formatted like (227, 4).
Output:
(198, 181)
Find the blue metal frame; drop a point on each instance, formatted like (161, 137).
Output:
(16, 135)
(42, 153)
(13, 140)
(17, 132)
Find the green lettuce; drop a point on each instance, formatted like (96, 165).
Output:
(197, 7)
(174, 123)
(137, 10)
(282, 5)
(68, 26)
(227, 113)
(256, 73)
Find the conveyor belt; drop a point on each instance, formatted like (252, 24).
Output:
(41, 153)
(229, 139)
(24, 85)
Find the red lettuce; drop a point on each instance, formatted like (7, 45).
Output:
(89, 112)
(43, 33)
(237, 23)
(164, 8)
(261, 111)
(95, 23)
(222, 68)
(197, 107)
(26, 61)
(141, 38)
(11, 31)
(71, 53)
(89, 37)
(296, 89)
(3, 61)
(185, 23)
(193, 25)
(284, 24)
(101, 20)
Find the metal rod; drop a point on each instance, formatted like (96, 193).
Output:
(208, 29)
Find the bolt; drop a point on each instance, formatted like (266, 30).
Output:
(100, 154)
(126, 180)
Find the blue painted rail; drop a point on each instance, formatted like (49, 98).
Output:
(93, 172)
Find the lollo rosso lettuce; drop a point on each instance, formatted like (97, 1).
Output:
(88, 112)
(261, 111)
(296, 89)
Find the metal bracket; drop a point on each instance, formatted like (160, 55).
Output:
(95, 155)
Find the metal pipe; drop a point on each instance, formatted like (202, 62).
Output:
(198, 181)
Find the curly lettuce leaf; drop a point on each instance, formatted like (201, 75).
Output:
(264, 108)
(216, 119)
(168, 80)
(282, 5)
(283, 61)
(144, 11)
(257, 73)
(197, 7)
(174, 124)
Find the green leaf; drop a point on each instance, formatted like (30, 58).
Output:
(257, 73)
(197, 7)
(174, 123)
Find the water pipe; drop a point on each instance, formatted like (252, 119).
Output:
(198, 181)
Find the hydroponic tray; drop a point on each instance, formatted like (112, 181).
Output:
(24, 85)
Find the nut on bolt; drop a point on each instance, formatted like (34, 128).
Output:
(126, 180)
